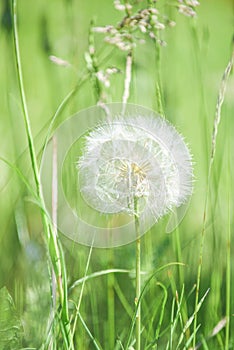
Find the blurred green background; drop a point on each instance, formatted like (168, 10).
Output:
(192, 64)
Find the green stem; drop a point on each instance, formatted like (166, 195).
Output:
(143, 291)
(111, 303)
(81, 293)
(138, 278)
(184, 309)
(127, 81)
(217, 119)
(93, 65)
(228, 268)
(228, 281)
(54, 221)
(55, 250)
(159, 93)
(23, 99)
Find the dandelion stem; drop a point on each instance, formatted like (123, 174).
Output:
(138, 277)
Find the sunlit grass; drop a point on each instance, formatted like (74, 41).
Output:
(101, 285)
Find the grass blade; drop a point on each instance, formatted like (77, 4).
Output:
(55, 249)
(140, 298)
(217, 119)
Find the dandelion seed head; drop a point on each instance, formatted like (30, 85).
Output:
(135, 157)
(114, 166)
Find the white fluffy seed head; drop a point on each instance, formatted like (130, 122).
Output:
(136, 157)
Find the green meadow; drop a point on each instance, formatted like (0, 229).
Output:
(56, 60)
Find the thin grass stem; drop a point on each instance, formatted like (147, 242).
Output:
(122, 298)
(95, 343)
(23, 98)
(92, 65)
(111, 303)
(58, 111)
(184, 311)
(228, 260)
(217, 119)
(158, 88)
(157, 332)
(143, 290)
(81, 293)
(54, 221)
(127, 81)
(55, 250)
(138, 291)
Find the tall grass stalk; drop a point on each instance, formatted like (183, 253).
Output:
(217, 119)
(122, 298)
(158, 87)
(157, 332)
(111, 302)
(54, 248)
(184, 309)
(58, 112)
(92, 65)
(95, 342)
(199, 66)
(81, 294)
(127, 81)
(138, 279)
(54, 221)
(228, 263)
